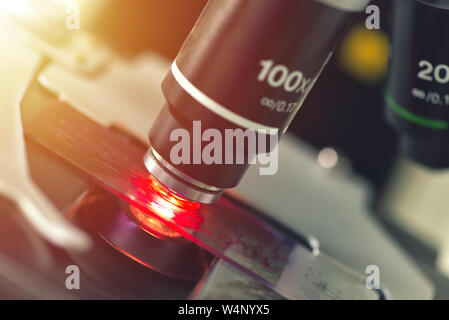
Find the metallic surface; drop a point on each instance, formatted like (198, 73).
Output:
(173, 179)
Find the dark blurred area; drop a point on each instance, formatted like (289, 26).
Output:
(346, 112)
(343, 111)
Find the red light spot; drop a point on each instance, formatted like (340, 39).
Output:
(169, 200)
(164, 203)
(153, 226)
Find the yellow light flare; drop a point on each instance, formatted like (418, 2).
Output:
(43, 9)
(364, 54)
(17, 7)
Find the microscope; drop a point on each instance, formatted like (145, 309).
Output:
(211, 203)
(281, 48)
(416, 100)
